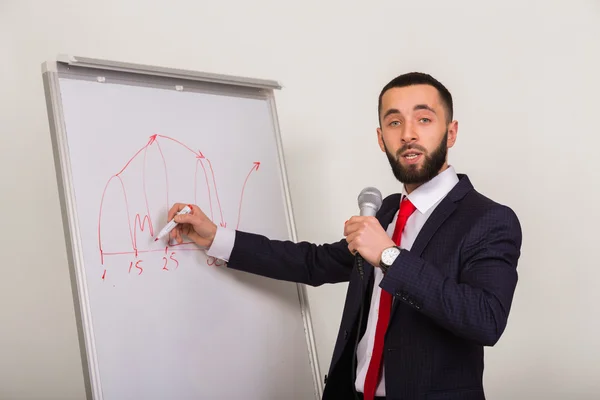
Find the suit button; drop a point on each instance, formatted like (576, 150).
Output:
(345, 334)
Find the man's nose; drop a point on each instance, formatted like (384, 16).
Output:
(409, 133)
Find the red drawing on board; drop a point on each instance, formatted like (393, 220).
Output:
(141, 190)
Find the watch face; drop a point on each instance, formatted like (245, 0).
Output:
(389, 255)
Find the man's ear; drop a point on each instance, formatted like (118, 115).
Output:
(380, 139)
(452, 133)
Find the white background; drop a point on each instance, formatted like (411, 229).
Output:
(525, 80)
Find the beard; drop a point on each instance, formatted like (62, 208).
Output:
(414, 174)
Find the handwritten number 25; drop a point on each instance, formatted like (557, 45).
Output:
(167, 261)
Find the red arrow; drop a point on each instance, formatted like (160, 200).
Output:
(199, 161)
(152, 139)
(255, 167)
(198, 153)
(216, 190)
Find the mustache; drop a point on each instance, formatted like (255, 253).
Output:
(407, 147)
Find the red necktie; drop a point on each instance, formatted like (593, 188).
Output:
(385, 305)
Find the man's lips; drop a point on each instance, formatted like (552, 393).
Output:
(412, 156)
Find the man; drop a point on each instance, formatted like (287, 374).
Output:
(440, 263)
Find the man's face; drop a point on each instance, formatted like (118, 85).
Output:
(414, 133)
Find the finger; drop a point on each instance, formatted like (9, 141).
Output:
(355, 242)
(349, 226)
(185, 218)
(195, 210)
(173, 232)
(352, 237)
(371, 221)
(178, 235)
(174, 210)
(352, 248)
(353, 225)
(356, 218)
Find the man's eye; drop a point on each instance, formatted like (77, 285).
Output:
(426, 120)
(394, 123)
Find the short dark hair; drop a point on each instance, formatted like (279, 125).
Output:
(419, 78)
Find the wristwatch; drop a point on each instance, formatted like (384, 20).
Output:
(388, 256)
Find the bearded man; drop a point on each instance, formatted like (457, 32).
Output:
(439, 264)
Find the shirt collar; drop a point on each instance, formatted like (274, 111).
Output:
(428, 194)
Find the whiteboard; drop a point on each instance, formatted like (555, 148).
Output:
(158, 320)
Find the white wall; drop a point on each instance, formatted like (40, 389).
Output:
(526, 85)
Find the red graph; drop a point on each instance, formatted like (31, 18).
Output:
(135, 200)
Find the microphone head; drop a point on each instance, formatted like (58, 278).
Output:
(369, 201)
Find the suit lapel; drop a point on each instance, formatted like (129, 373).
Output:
(446, 207)
(435, 220)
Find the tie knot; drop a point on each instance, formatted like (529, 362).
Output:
(406, 208)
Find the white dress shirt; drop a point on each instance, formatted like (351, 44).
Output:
(425, 198)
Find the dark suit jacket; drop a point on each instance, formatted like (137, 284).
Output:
(452, 294)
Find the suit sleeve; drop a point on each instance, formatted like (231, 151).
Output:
(477, 303)
(301, 262)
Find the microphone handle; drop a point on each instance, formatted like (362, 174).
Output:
(365, 211)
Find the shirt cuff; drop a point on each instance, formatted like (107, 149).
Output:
(222, 244)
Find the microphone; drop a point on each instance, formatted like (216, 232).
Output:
(369, 202)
